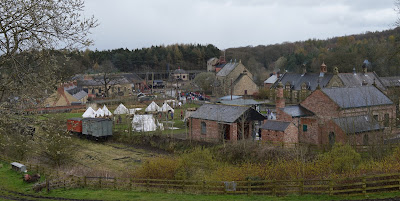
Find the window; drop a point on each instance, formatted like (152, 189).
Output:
(332, 138)
(386, 121)
(365, 139)
(183, 76)
(203, 128)
(304, 127)
(376, 117)
(245, 92)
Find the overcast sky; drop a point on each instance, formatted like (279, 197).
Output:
(232, 23)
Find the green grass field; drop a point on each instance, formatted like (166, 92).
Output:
(11, 180)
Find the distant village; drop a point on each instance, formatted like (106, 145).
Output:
(320, 109)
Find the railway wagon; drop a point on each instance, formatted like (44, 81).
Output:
(74, 125)
(97, 127)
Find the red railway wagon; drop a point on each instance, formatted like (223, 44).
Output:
(74, 125)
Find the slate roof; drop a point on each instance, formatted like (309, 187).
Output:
(179, 71)
(354, 97)
(391, 81)
(227, 69)
(98, 82)
(275, 125)
(297, 111)
(225, 113)
(311, 79)
(133, 77)
(356, 79)
(271, 80)
(81, 94)
(357, 124)
(240, 102)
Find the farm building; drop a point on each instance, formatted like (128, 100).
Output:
(214, 122)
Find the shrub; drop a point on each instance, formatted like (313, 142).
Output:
(196, 164)
(159, 168)
(340, 159)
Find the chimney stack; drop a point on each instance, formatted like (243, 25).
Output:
(280, 100)
(364, 83)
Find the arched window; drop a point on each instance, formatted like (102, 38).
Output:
(332, 138)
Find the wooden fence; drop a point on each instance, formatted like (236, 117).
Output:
(357, 185)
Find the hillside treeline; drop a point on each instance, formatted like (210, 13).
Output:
(381, 49)
(347, 52)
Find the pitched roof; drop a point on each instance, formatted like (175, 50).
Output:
(353, 97)
(240, 102)
(297, 111)
(240, 77)
(81, 94)
(225, 113)
(356, 79)
(391, 81)
(227, 69)
(133, 77)
(310, 79)
(275, 125)
(357, 124)
(271, 79)
(179, 71)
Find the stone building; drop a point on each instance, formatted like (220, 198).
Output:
(180, 74)
(356, 115)
(297, 86)
(236, 79)
(66, 95)
(215, 123)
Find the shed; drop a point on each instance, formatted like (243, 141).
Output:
(18, 167)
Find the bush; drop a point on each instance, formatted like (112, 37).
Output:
(196, 164)
(340, 159)
(159, 168)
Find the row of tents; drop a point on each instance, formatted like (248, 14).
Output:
(141, 123)
(153, 107)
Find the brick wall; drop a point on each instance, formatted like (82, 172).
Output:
(321, 105)
(213, 133)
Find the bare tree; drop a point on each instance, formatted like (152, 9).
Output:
(107, 76)
(29, 29)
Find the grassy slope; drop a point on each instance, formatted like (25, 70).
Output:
(11, 180)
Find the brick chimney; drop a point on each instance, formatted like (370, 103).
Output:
(280, 100)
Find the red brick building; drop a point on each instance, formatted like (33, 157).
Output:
(214, 122)
(355, 115)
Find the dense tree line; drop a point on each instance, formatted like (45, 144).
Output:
(346, 52)
(186, 56)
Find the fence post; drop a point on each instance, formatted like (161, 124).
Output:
(99, 182)
(115, 182)
(301, 186)
(47, 186)
(147, 185)
(273, 188)
(331, 187)
(183, 186)
(249, 187)
(84, 181)
(203, 187)
(79, 182)
(130, 184)
(364, 181)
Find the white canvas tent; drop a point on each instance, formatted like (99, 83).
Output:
(106, 111)
(99, 113)
(145, 123)
(89, 113)
(121, 109)
(166, 108)
(153, 107)
(133, 111)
